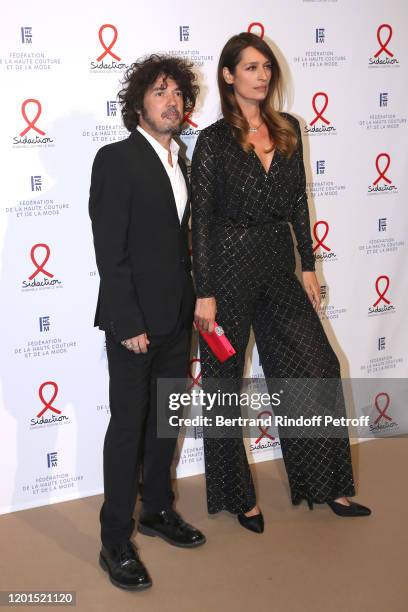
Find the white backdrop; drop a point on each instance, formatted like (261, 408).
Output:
(345, 65)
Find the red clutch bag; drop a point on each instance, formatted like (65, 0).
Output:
(219, 343)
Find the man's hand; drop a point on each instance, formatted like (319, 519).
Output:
(204, 315)
(138, 344)
(312, 288)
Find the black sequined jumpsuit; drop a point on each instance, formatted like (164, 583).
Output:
(243, 254)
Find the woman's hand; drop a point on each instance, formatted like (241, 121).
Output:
(312, 288)
(204, 315)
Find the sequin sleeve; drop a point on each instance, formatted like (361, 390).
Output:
(203, 184)
(300, 219)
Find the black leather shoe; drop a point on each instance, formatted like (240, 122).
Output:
(253, 523)
(124, 567)
(353, 509)
(169, 525)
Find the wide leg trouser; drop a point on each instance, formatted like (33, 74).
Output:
(292, 344)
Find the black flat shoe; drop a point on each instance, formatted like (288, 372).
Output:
(124, 567)
(253, 523)
(169, 525)
(353, 509)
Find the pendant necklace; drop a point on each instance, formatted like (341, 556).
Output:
(255, 129)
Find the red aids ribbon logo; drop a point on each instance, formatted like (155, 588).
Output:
(382, 412)
(40, 267)
(48, 404)
(31, 123)
(186, 119)
(381, 173)
(108, 49)
(264, 432)
(257, 24)
(190, 373)
(382, 293)
(319, 113)
(383, 45)
(320, 241)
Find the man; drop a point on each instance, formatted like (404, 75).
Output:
(139, 207)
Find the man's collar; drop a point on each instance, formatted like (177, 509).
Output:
(158, 147)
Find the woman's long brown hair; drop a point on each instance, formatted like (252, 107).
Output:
(280, 130)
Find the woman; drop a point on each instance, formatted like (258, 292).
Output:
(248, 182)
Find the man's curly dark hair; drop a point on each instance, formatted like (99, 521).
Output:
(143, 73)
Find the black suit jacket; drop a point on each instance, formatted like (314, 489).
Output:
(141, 248)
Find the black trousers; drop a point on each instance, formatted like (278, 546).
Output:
(132, 447)
(292, 344)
